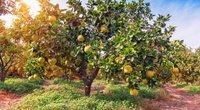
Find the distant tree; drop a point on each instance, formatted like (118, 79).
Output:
(7, 48)
(7, 52)
(6, 6)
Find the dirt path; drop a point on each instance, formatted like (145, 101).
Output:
(178, 99)
(7, 99)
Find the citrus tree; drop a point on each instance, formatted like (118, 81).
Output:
(188, 63)
(36, 37)
(20, 33)
(8, 51)
(115, 38)
(197, 64)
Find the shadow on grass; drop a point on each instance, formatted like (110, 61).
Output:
(181, 85)
(72, 83)
(21, 86)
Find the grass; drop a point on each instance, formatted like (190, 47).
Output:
(194, 89)
(68, 95)
(62, 94)
(20, 86)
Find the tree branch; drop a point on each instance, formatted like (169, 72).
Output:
(1, 59)
(73, 69)
(9, 60)
(94, 74)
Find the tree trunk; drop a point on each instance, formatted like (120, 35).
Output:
(87, 86)
(2, 77)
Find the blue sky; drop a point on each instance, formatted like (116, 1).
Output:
(185, 15)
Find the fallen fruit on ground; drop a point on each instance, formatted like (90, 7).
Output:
(36, 77)
(30, 78)
(134, 92)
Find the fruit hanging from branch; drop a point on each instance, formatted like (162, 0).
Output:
(175, 70)
(80, 38)
(150, 74)
(128, 69)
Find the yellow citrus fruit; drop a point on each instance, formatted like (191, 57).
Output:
(160, 48)
(35, 38)
(66, 62)
(175, 70)
(81, 38)
(23, 7)
(33, 54)
(88, 48)
(24, 4)
(104, 29)
(30, 78)
(134, 92)
(52, 19)
(52, 61)
(144, 81)
(128, 69)
(12, 69)
(41, 60)
(35, 76)
(153, 45)
(150, 74)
